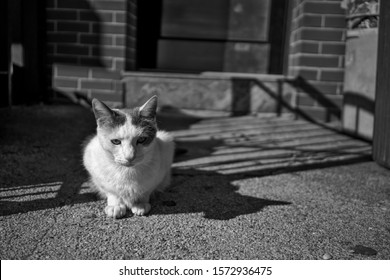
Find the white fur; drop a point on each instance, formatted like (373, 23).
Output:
(129, 186)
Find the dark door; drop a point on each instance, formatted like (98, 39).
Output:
(4, 55)
(216, 35)
(26, 19)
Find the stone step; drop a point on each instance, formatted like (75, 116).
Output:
(231, 92)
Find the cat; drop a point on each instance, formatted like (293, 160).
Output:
(128, 158)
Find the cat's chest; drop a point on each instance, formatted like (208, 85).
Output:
(129, 177)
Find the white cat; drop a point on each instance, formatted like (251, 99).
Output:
(129, 157)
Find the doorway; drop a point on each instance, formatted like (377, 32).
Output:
(23, 75)
(194, 36)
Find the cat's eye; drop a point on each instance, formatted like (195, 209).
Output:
(141, 140)
(116, 141)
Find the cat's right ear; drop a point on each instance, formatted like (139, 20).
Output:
(101, 110)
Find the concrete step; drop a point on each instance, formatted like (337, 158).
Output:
(230, 92)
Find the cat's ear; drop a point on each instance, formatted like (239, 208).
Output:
(101, 110)
(148, 110)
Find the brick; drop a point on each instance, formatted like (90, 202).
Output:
(73, 26)
(333, 48)
(318, 61)
(104, 96)
(113, 5)
(88, 16)
(107, 28)
(119, 64)
(61, 14)
(105, 74)
(96, 39)
(72, 71)
(308, 74)
(50, 26)
(96, 62)
(332, 75)
(73, 4)
(101, 16)
(335, 21)
(319, 7)
(306, 47)
(62, 59)
(120, 17)
(326, 87)
(97, 84)
(320, 34)
(310, 21)
(65, 83)
(72, 49)
(109, 51)
(120, 41)
(106, 16)
(63, 37)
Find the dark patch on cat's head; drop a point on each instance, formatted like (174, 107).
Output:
(144, 117)
(147, 125)
(106, 116)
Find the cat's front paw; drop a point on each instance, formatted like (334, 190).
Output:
(141, 209)
(115, 211)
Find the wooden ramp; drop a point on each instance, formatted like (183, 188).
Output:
(261, 145)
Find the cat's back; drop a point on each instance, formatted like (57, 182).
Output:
(164, 136)
(90, 147)
(166, 144)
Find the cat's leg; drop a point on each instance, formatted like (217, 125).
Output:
(115, 207)
(142, 206)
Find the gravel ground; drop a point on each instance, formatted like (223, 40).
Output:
(278, 200)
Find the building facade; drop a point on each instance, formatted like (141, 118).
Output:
(92, 47)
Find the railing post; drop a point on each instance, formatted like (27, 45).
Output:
(280, 83)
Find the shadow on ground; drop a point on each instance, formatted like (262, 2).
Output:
(42, 169)
(41, 156)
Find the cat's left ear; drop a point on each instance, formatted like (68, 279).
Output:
(148, 110)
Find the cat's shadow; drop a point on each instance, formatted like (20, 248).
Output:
(212, 194)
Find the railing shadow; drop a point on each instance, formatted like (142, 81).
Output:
(40, 149)
(300, 84)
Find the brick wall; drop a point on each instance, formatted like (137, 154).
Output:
(89, 46)
(317, 50)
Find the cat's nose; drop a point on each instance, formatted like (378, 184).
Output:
(130, 157)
